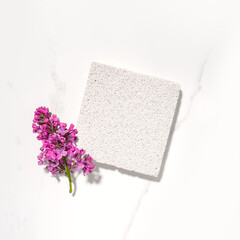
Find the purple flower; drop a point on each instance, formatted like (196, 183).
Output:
(62, 131)
(58, 151)
(61, 153)
(82, 152)
(40, 162)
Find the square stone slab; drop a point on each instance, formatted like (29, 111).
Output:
(125, 118)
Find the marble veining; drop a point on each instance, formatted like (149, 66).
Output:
(46, 51)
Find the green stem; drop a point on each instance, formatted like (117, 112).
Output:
(62, 170)
(68, 174)
(51, 129)
(73, 166)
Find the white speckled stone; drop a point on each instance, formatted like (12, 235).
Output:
(125, 118)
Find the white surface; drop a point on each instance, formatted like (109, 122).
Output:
(46, 50)
(125, 118)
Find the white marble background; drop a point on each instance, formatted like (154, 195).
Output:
(46, 48)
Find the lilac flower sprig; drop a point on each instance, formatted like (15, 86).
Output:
(59, 151)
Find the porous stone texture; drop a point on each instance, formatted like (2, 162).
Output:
(125, 118)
